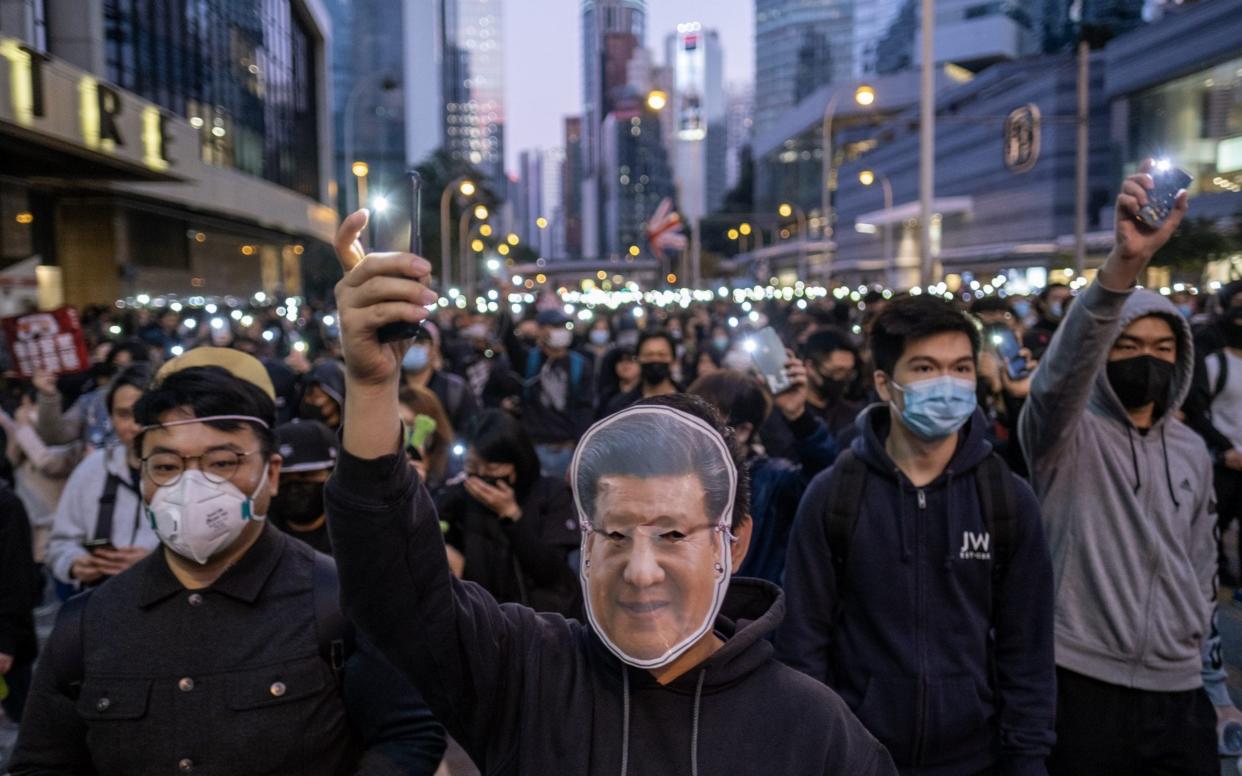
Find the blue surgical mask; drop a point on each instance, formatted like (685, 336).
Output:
(1056, 310)
(720, 343)
(416, 358)
(1022, 309)
(599, 337)
(937, 407)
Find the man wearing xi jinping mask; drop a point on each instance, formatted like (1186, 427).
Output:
(672, 673)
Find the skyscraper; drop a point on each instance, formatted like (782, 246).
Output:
(739, 122)
(699, 118)
(799, 47)
(611, 31)
(631, 144)
(571, 187)
(454, 62)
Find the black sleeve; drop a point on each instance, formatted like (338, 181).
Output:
(468, 655)
(52, 738)
(531, 538)
(399, 732)
(18, 587)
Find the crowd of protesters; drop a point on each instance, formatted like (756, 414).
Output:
(986, 526)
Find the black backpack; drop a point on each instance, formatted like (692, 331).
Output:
(996, 502)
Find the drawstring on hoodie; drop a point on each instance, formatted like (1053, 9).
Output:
(694, 731)
(1168, 473)
(1138, 479)
(625, 723)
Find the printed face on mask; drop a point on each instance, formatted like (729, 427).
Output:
(932, 388)
(655, 558)
(201, 506)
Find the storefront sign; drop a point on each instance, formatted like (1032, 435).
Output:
(1021, 149)
(50, 97)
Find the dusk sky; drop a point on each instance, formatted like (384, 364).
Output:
(543, 59)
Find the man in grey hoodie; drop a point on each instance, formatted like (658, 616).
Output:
(1126, 492)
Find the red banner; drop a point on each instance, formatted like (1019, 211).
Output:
(50, 341)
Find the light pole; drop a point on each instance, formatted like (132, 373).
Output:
(866, 178)
(463, 234)
(927, 141)
(351, 105)
(864, 96)
(786, 210)
(467, 189)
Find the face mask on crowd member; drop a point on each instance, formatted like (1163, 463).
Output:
(656, 488)
(324, 399)
(208, 467)
(1141, 363)
(600, 336)
(308, 451)
(553, 331)
(417, 358)
(925, 352)
(832, 365)
(655, 358)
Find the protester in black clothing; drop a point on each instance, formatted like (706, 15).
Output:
(618, 374)
(918, 577)
(224, 652)
(20, 588)
(1052, 303)
(656, 355)
(515, 529)
(535, 693)
(323, 397)
(308, 451)
(558, 392)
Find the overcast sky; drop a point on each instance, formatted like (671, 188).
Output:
(543, 59)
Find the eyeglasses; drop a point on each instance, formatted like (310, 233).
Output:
(217, 466)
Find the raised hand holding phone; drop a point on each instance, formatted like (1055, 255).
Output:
(394, 332)
(1135, 241)
(378, 289)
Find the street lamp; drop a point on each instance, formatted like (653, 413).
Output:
(865, 97)
(386, 83)
(657, 99)
(786, 210)
(480, 213)
(866, 178)
(466, 188)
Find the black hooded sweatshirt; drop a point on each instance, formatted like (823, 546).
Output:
(536, 694)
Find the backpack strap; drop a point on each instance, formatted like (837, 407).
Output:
(994, 484)
(1222, 374)
(66, 656)
(848, 478)
(332, 629)
(107, 507)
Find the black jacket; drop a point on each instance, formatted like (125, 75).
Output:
(20, 587)
(524, 562)
(529, 693)
(911, 648)
(142, 676)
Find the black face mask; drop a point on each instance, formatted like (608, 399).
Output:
(1140, 380)
(655, 374)
(831, 389)
(298, 502)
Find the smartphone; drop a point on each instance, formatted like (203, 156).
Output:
(90, 545)
(1002, 340)
(401, 330)
(768, 353)
(1169, 181)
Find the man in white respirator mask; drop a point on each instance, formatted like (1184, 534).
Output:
(224, 652)
(673, 675)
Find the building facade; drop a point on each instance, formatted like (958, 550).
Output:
(699, 118)
(633, 146)
(178, 148)
(799, 47)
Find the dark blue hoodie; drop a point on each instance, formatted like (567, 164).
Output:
(911, 653)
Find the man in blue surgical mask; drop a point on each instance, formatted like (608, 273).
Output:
(918, 580)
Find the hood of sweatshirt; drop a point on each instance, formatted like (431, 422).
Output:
(1141, 304)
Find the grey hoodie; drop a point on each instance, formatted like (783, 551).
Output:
(1129, 516)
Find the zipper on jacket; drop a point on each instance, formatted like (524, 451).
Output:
(920, 641)
(922, 499)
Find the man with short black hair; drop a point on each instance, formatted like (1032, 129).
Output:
(918, 580)
(674, 674)
(308, 451)
(656, 354)
(1126, 492)
(225, 652)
